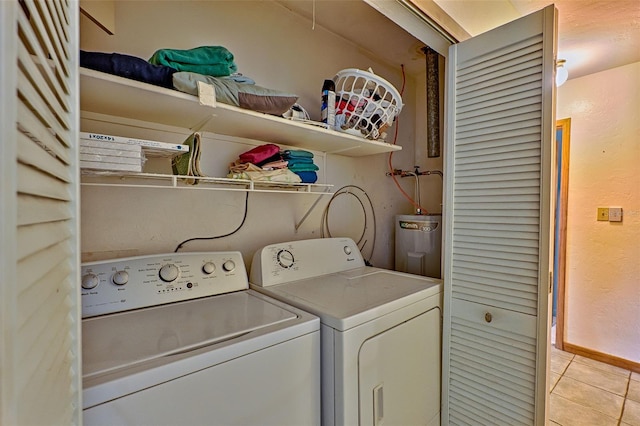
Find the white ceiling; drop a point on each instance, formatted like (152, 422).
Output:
(594, 35)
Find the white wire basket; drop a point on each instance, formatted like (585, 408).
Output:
(366, 104)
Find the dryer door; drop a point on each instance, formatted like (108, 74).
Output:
(399, 374)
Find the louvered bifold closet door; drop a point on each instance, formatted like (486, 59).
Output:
(497, 237)
(46, 380)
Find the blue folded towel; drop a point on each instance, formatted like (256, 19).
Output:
(308, 177)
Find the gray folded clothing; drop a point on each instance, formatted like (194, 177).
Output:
(228, 91)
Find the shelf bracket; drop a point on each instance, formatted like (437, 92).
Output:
(198, 126)
(313, 206)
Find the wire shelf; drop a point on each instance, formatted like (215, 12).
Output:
(103, 178)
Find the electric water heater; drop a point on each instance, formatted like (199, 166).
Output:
(419, 244)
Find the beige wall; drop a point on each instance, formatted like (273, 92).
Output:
(279, 50)
(603, 259)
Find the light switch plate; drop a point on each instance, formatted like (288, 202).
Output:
(615, 214)
(603, 213)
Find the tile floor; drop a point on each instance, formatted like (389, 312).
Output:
(585, 392)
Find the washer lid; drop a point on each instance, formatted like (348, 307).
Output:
(122, 340)
(346, 299)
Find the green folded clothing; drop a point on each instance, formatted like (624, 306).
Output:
(188, 164)
(303, 167)
(216, 61)
(302, 160)
(296, 153)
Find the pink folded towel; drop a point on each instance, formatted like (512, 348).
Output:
(259, 153)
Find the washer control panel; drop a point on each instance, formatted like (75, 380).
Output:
(117, 285)
(298, 260)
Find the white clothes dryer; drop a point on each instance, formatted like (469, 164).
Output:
(179, 339)
(380, 330)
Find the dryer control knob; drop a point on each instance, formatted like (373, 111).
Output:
(169, 273)
(90, 281)
(209, 268)
(285, 259)
(229, 265)
(120, 278)
(347, 250)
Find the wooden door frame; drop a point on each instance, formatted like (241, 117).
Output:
(565, 126)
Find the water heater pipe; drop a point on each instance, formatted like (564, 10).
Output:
(416, 173)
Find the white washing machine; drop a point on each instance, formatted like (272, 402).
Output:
(381, 330)
(179, 339)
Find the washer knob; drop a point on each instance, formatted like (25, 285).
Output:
(347, 250)
(169, 272)
(209, 268)
(120, 278)
(90, 281)
(229, 266)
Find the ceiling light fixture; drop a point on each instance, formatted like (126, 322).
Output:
(561, 72)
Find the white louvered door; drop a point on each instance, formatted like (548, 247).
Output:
(40, 309)
(498, 207)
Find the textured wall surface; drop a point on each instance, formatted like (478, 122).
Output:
(603, 258)
(279, 50)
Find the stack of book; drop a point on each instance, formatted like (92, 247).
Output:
(118, 153)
